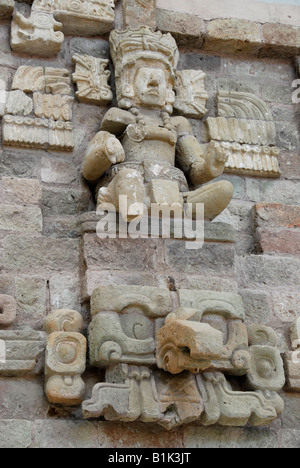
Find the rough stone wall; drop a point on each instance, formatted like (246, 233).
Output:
(42, 261)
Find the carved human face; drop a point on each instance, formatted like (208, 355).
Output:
(151, 88)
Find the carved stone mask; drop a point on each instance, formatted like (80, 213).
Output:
(151, 88)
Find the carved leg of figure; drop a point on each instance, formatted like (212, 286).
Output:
(127, 193)
(215, 197)
(150, 402)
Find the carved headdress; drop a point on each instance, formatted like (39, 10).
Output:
(130, 47)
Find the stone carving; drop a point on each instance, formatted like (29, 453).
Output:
(65, 358)
(84, 18)
(47, 80)
(91, 78)
(123, 324)
(24, 352)
(40, 34)
(26, 132)
(42, 121)
(292, 359)
(191, 95)
(196, 345)
(53, 107)
(139, 140)
(8, 310)
(246, 124)
(18, 103)
(43, 32)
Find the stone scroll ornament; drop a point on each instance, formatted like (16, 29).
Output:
(292, 359)
(142, 151)
(43, 32)
(65, 358)
(174, 366)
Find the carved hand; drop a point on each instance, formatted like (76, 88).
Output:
(114, 150)
(216, 158)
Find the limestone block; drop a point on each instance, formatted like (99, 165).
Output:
(26, 132)
(153, 302)
(24, 352)
(57, 81)
(6, 9)
(91, 76)
(17, 103)
(292, 359)
(137, 12)
(55, 107)
(8, 310)
(191, 95)
(87, 18)
(38, 35)
(165, 193)
(65, 358)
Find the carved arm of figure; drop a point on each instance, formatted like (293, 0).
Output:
(200, 163)
(105, 149)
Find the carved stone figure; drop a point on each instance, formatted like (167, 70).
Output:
(292, 359)
(140, 142)
(197, 346)
(65, 358)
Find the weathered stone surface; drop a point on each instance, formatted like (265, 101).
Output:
(15, 433)
(98, 48)
(40, 253)
(269, 215)
(17, 103)
(31, 297)
(21, 191)
(220, 437)
(113, 253)
(66, 434)
(8, 310)
(212, 258)
(285, 241)
(58, 171)
(20, 218)
(6, 8)
(284, 37)
(233, 36)
(137, 13)
(184, 27)
(65, 201)
(258, 306)
(65, 292)
(270, 271)
(24, 352)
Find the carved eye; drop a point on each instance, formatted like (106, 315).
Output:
(66, 352)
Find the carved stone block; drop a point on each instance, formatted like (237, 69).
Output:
(47, 80)
(53, 107)
(191, 95)
(246, 124)
(38, 35)
(24, 352)
(8, 310)
(18, 103)
(65, 358)
(91, 77)
(85, 18)
(123, 325)
(26, 132)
